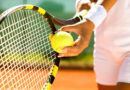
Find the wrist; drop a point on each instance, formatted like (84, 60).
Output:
(86, 25)
(96, 15)
(90, 24)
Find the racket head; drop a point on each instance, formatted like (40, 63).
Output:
(15, 26)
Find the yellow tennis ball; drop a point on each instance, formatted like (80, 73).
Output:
(60, 40)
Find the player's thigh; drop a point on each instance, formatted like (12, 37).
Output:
(123, 86)
(106, 87)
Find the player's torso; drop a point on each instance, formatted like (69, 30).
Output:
(116, 27)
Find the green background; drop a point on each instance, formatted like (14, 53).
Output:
(64, 9)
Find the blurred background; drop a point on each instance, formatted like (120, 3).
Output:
(64, 9)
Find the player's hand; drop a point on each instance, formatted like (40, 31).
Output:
(84, 29)
(83, 4)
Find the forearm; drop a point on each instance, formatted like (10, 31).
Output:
(98, 12)
(107, 4)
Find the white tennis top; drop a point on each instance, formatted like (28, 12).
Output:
(116, 26)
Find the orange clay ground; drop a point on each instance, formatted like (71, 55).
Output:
(75, 80)
(65, 80)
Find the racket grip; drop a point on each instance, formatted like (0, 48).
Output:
(74, 20)
(65, 22)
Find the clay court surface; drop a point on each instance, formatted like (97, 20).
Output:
(75, 80)
(65, 80)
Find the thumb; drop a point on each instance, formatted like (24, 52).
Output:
(69, 28)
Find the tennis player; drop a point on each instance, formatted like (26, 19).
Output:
(110, 20)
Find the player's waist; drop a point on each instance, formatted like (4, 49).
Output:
(113, 32)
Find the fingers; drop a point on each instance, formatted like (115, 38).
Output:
(75, 50)
(84, 4)
(50, 37)
(84, 30)
(77, 41)
(69, 51)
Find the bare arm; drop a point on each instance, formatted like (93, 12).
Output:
(107, 3)
(84, 29)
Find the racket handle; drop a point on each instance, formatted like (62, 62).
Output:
(76, 19)
(65, 22)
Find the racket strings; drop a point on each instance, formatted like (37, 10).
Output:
(21, 37)
(26, 54)
(34, 39)
(20, 26)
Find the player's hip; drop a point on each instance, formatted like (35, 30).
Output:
(113, 38)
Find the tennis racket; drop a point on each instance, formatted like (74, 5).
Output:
(27, 60)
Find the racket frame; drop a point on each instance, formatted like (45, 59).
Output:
(48, 17)
(51, 20)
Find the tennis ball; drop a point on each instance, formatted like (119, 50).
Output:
(60, 40)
